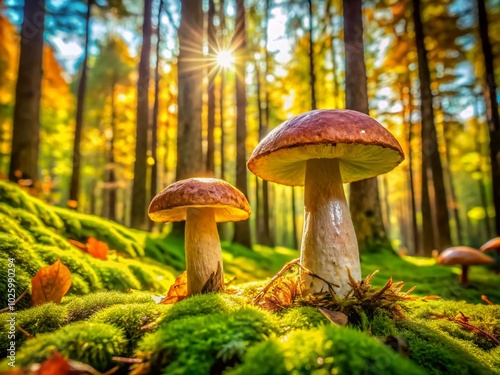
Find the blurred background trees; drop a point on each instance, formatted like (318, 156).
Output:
(117, 99)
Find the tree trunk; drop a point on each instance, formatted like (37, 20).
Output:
(154, 120)
(492, 110)
(26, 124)
(414, 223)
(111, 160)
(212, 72)
(312, 73)
(80, 106)
(431, 161)
(364, 199)
(139, 205)
(267, 237)
(241, 228)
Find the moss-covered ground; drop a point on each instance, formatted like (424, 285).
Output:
(109, 311)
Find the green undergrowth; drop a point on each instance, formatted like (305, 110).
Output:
(109, 310)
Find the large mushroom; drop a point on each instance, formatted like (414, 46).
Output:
(320, 150)
(201, 202)
(463, 256)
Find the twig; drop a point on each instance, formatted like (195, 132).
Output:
(126, 360)
(16, 301)
(485, 299)
(464, 322)
(27, 334)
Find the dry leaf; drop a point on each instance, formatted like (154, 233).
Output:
(336, 317)
(97, 249)
(178, 291)
(426, 298)
(78, 244)
(50, 283)
(56, 365)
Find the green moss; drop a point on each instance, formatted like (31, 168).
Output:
(10, 226)
(104, 230)
(204, 304)
(13, 196)
(438, 353)
(91, 343)
(77, 262)
(80, 308)
(114, 276)
(130, 318)
(325, 350)
(151, 276)
(26, 219)
(305, 317)
(22, 283)
(79, 285)
(206, 344)
(45, 318)
(26, 258)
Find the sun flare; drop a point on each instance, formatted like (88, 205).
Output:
(225, 59)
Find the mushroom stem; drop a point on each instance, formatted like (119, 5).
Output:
(329, 245)
(464, 276)
(203, 252)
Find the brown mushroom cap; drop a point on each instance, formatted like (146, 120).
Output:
(363, 146)
(493, 244)
(464, 256)
(171, 203)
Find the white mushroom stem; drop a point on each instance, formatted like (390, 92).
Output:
(203, 252)
(329, 245)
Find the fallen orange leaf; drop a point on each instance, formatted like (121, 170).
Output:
(97, 249)
(55, 365)
(50, 284)
(178, 291)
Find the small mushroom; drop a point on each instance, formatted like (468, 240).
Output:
(320, 150)
(201, 202)
(464, 256)
(492, 245)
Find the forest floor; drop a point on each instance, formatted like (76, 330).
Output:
(110, 314)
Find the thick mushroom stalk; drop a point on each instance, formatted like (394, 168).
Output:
(203, 252)
(329, 245)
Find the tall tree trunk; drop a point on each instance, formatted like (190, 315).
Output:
(492, 109)
(26, 125)
(156, 107)
(222, 20)
(431, 160)
(414, 223)
(267, 238)
(111, 160)
(139, 206)
(80, 106)
(190, 76)
(336, 99)
(312, 73)
(241, 228)
(259, 223)
(190, 93)
(212, 73)
(364, 198)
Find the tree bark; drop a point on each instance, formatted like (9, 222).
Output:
(364, 198)
(241, 228)
(312, 73)
(492, 109)
(26, 124)
(212, 72)
(431, 161)
(111, 160)
(156, 107)
(139, 207)
(80, 106)
(190, 77)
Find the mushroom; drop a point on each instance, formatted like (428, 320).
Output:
(320, 150)
(464, 256)
(201, 202)
(491, 245)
